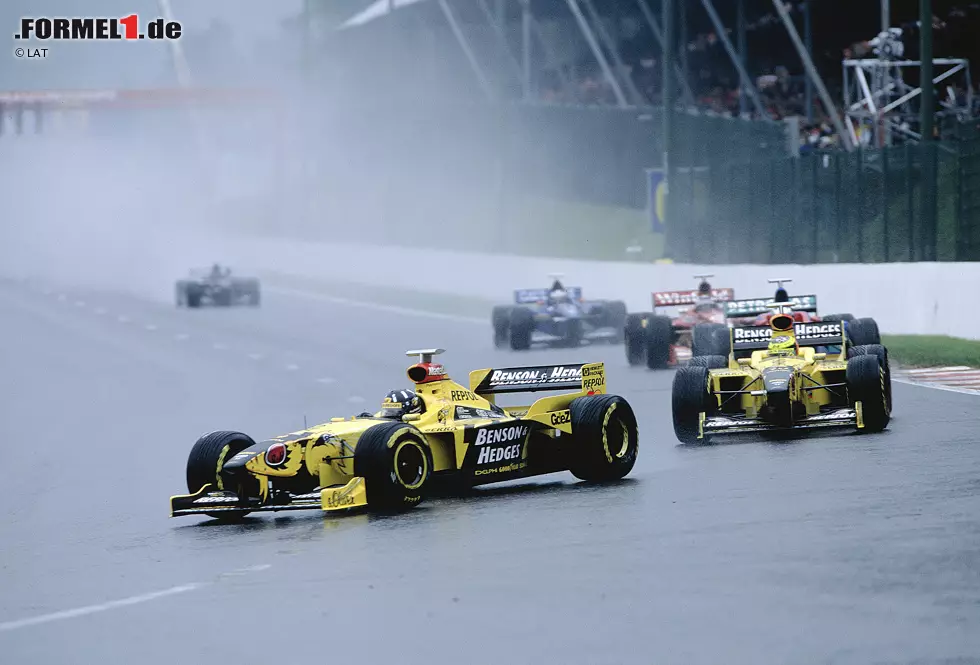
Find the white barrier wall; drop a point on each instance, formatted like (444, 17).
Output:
(917, 298)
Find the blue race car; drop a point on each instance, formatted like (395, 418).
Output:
(557, 316)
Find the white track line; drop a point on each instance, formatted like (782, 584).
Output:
(291, 367)
(255, 356)
(150, 326)
(101, 607)
(929, 370)
(180, 337)
(326, 380)
(937, 386)
(376, 306)
(125, 602)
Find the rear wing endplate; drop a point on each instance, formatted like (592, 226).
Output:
(527, 296)
(746, 338)
(589, 378)
(755, 306)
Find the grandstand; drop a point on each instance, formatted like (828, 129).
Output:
(541, 122)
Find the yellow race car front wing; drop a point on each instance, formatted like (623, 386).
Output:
(209, 500)
(733, 424)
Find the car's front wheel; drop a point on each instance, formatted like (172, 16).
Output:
(206, 461)
(395, 461)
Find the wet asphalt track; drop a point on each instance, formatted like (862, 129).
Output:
(832, 549)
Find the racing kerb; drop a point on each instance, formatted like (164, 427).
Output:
(905, 298)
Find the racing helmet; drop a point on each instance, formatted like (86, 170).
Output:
(704, 289)
(781, 295)
(782, 345)
(398, 403)
(558, 296)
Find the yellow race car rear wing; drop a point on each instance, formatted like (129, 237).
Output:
(589, 378)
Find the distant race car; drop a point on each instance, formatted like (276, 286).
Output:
(788, 382)
(217, 287)
(557, 316)
(682, 324)
(440, 431)
(759, 311)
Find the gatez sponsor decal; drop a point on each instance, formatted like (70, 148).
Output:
(339, 500)
(561, 417)
(462, 396)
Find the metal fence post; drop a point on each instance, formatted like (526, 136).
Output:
(814, 205)
(838, 212)
(911, 203)
(885, 202)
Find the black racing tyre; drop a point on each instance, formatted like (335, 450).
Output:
(521, 327)
(704, 339)
(254, 294)
(634, 338)
(180, 294)
(614, 316)
(837, 317)
(500, 320)
(709, 362)
(861, 332)
(395, 461)
(689, 398)
(881, 353)
(605, 441)
(193, 295)
(206, 459)
(659, 338)
(866, 384)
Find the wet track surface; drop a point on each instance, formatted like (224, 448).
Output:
(828, 549)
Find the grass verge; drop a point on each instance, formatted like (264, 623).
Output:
(932, 350)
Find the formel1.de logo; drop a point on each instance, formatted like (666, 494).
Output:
(60, 28)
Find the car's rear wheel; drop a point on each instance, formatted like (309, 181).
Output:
(614, 316)
(605, 438)
(689, 398)
(861, 332)
(395, 461)
(659, 337)
(705, 339)
(500, 320)
(634, 337)
(206, 461)
(193, 293)
(866, 384)
(521, 327)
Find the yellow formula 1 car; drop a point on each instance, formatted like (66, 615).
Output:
(441, 430)
(787, 383)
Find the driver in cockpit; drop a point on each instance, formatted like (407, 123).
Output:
(557, 295)
(783, 345)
